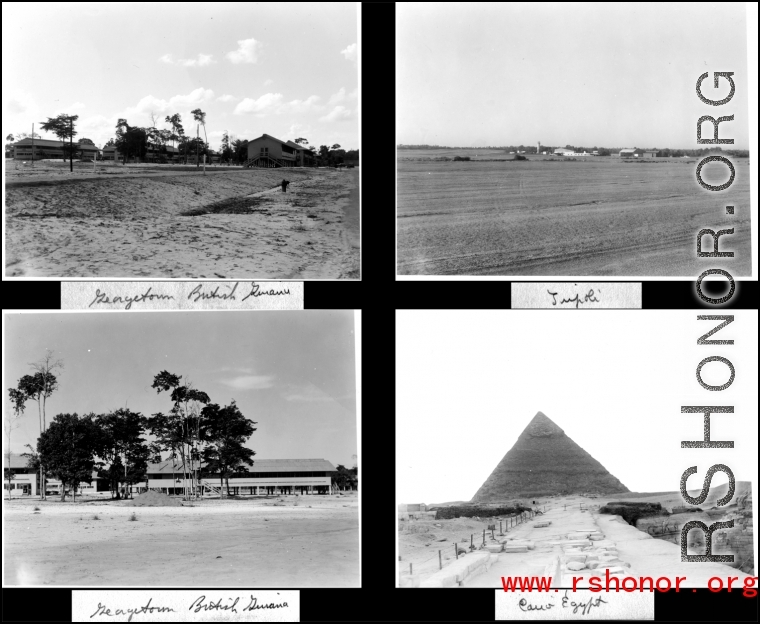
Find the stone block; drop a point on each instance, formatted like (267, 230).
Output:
(575, 565)
(494, 548)
(575, 557)
(508, 548)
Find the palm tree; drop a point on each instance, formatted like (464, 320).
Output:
(200, 117)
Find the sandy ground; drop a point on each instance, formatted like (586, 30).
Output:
(129, 222)
(598, 216)
(647, 556)
(242, 543)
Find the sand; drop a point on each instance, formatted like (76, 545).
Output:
(646, 556)
(232, 543)
(144, 222)
(598, 216)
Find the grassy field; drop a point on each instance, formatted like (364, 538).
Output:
(590, 216)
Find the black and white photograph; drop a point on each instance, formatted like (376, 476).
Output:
(550, 445)
(202, 140)
(568, 139)
(180, 449)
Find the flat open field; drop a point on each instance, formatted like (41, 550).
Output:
(173, 221)
(591, 216)
(305, 541)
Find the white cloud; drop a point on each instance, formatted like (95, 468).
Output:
(203, 60)
(267, 103)
(272, 104)
(151, 103)
(249, 382)
(298, 130)
(339, 113)
(350, 53)
(226, 98)
(308, 393)
(341, 96)
(268, 81)
(247, 52)
(301, 106)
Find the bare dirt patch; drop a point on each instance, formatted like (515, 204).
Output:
(137, 225)
(220, 543)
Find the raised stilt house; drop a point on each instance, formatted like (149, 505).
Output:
(267, 151)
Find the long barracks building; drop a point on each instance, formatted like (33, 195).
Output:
(42, 148)
(266, 476)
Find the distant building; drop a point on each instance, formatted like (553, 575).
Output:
(650, 154)
(561, 151)
(627, 152)
(23, 150)
(267, 151)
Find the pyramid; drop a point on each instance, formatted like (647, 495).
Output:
(543, 462)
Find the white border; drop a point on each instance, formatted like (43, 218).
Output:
(752, 17)
(136, 278)
(358, 380)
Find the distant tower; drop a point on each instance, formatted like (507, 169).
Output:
(539, 148)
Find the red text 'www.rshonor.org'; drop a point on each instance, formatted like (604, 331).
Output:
(611, 582)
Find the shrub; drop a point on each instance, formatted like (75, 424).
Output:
(631, 512)
(461, 158)
(95, 517)
(133, 517)
(447, 513)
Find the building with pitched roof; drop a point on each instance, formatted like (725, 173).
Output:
(266, 476)
(39, 149)
(268, 151)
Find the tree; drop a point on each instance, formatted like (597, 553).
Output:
(130, 140)
(240, 148)
(38, 387)
(200, 117)
(226, 430)
(227, 152)
(343, 478)
(301, 140)
(110, 143)
(67, 449)
(63, 127)
(185, 416)
(334, 147)
(122, 449)
(11, 422)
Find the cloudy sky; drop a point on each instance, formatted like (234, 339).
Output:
(607, 74)
(292, 372)
(288, 70)
(469, 382)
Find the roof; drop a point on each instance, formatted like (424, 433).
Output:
(269, 136)
(628, 149)
(46, 143)
(297, 146)
(40, 142)
(650, 151)
(263, 465)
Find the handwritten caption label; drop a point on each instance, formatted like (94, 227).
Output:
(576, 295)
(185, 606)
(566, 604)
(241, 295)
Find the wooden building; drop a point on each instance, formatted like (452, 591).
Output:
(39, 149)
(267, 151)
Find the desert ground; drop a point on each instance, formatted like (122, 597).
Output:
(304, 541)
(420, 540)
(171, 221)
(546, 216)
